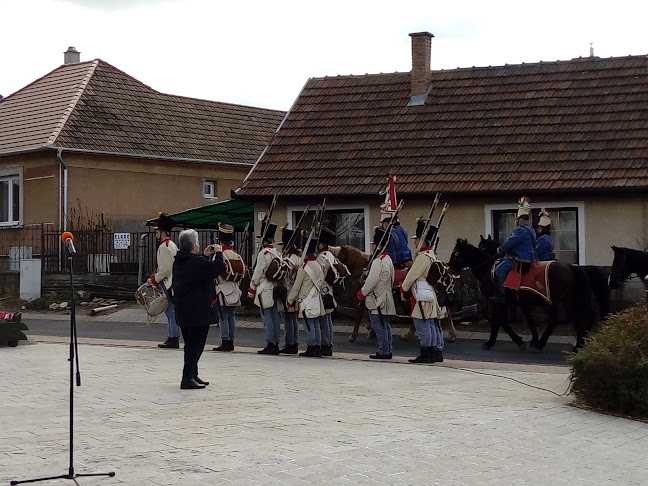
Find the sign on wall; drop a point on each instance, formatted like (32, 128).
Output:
(122, 241)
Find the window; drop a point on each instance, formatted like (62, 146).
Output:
(209, 190)
(348, 224)
(10, 200)
(565, 229)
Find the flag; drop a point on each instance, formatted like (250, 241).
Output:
(390, 196)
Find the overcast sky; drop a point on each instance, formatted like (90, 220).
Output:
(261, 53)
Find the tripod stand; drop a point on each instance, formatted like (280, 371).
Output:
(74, 354)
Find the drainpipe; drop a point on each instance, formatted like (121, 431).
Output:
(63, 217)
(140, 259)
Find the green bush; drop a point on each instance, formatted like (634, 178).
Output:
(611, 372)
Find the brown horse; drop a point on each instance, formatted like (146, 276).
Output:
(356, 261)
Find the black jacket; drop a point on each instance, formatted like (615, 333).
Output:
(193, 288)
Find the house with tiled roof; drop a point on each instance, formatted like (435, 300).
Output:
(570, 135)
(88, 139)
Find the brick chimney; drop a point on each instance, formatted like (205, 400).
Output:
(71, 56)
(421, 72)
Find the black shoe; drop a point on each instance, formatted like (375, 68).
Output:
(290, 349)
(311, 352)
(327, 350)
(170, 343)
(201, 382)
(437, 356)
(381, 356)
(424, 357)
(226, 345)
(191, 385)
(271, 348)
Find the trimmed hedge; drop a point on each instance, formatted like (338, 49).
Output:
(611, 372)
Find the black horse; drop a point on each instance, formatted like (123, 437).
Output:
(569, 289)
(626, 262)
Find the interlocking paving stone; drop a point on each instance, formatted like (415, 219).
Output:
(268, 420)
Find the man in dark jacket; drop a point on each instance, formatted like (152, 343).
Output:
(195, 299)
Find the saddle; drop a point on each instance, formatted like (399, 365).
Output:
(532, 277)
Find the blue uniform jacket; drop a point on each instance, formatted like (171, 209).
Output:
(521, 244)
(404, 252)
(545, 248)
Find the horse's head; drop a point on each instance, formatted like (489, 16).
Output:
(488, 245)
(620, 268)
(459, 256)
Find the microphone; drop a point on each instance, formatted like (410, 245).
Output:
(68, 239)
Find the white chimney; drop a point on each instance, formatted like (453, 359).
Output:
(71, 56)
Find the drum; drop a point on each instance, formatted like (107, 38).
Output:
(152, 298)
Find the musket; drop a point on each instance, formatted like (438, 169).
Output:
(293, 237)
(428, 222)
(438, 226)
(315, 228)
(267, 220)
(383, 240)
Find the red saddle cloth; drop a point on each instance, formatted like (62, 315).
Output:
(399, 276)
(535, 280)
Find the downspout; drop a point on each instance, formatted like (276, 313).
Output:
(140, 259)
(63, 217)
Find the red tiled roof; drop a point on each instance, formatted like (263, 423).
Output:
(579, 125)
(94, 106)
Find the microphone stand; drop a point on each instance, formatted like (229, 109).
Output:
(74, 358)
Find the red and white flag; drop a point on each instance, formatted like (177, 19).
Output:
(390, 195)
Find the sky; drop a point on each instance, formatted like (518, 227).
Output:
(261, 53)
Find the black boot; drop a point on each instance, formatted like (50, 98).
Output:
(226, 345)
(437, 355)
(311, 352)
(423, 357)
(294, 348)
(500, 291)
(191, 385)
(271, 348)
(200, 382)
(327, 350)
(289, 349)
(170, 343)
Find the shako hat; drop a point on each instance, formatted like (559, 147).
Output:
(327, 237)
(269, 233)
(524, 207)
(381, 238)
(545, 218)
(286, 234)
(312, 246)
(420, 227)
(164, 223)
(226, 232)
(386, 216)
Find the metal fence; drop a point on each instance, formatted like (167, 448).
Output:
(98, 252)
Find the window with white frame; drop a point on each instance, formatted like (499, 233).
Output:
(347, 223)
(10, 189)
(209, 189)
(565, 229)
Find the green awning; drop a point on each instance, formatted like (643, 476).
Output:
(234, 212)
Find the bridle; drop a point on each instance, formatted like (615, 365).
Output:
(489, 261)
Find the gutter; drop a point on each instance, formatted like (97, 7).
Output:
(147, 156)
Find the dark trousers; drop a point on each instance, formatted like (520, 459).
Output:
(194, 343)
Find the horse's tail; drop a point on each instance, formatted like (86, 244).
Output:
(584, 301)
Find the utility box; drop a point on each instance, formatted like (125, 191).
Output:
(30, 278)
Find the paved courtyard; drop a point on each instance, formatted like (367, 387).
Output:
(297, 421)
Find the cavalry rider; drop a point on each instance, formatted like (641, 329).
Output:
(425, 308)
(293, 255)
(326, 259)
(262, 290)
(377, 294)
(307, 292)
(229, 293)
(544, 245)
(520, 246)
(397, 247)
(166, 253)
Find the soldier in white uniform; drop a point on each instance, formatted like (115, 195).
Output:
(326, 259)
(293, 256)
(262, 290)
(425, 308)
(306, 296)
(229, 293)
(377, 294)
(163, 277)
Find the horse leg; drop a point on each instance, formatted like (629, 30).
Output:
(512, 334)
(551, 325)
(410, 332)
(497, 315)
(448, 325)
(528, 317)
(356, 324)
